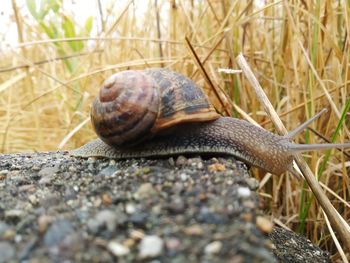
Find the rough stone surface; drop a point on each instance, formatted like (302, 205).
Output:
(7, 252)
(56, 208)
(294, 248)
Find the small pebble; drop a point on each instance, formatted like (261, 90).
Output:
(36, 168)
(70, 193)
(181, 160)
(47, 179)
(214, 160)
(33, 199)
(16, 179)
(109, 171)
(29, 188)
(130, 208)
(48, 171)
(183, 177)
(103, 219)
(112, 162)
(4, 172)
(71, 245)
(203, 196)
(264, 225)
(176, 206)
(117, 249)
(43, 222)
(137, 234)
(171, 161)
(129, 243)
(248, 217)
(14, 214)
(6, 231)
(200, 165)
(27, 248)
(57, 232)
(172, 243)
(97, 201)
(243, 192)
(146, 170)
(150, 246)
(139, 219)
(92, 160)
(208, 217)
(194, 161)
(248, 204)
(3, 228)
(194, 230)
(145, 191)
(106, 199)
(216, 167)
(213, 247)
(9, 234)
(50, 200)
(252, 183)
(91, 167)
(72, 169)
(17, 238)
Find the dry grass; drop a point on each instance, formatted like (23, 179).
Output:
(299, 50)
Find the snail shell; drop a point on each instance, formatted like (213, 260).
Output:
(134, 105)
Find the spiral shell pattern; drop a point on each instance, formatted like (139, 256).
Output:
(137, 104)
(126, 108)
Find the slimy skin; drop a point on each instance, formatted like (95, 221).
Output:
(225, 136)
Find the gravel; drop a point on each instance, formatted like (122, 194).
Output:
(57, 208)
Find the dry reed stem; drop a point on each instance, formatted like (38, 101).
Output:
(205, 75)
(303, 104)
(72, 132)
(306, 56)
(336, 220)
(40, 62)
(336, 242)
(72, 39)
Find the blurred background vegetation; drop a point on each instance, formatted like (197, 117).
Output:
(56, 53)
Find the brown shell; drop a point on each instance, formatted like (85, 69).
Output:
(133, 105)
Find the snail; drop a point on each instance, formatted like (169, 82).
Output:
(158, 112)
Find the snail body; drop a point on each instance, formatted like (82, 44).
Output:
(163, 113)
